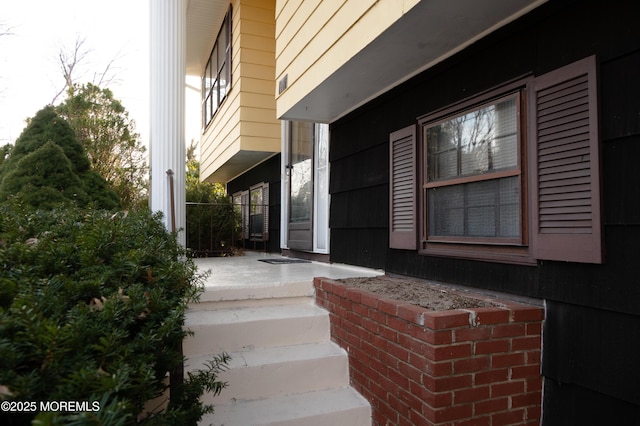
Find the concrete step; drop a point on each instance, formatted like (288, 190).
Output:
(275, 372)
(255, 295)
(335, 407)
(246, 328)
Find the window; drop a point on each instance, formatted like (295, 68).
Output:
(252, 208)
(259, 212)
(472, 173)
(511, 175)
(216, 80)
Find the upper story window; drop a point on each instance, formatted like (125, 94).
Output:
(216, 80)
(511, 175)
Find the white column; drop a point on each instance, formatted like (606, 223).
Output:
(167, 75)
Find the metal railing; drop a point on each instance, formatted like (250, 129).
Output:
(217, 229)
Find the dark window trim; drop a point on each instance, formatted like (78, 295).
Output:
(508, 250)
(210, 106)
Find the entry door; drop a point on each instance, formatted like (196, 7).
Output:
(300, 170)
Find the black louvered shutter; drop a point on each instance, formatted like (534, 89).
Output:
(402, 193)
(565, 164)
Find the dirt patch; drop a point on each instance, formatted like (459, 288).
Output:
(416, 292)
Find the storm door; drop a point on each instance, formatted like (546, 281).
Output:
(300, 171)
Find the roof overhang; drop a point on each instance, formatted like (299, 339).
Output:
(430, 32)
(204, 19)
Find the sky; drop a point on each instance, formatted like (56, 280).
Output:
(30, 74)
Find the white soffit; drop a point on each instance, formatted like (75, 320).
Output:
(430, 32)
(204, 19)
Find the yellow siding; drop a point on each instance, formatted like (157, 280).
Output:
(315, 38)
(246, 120)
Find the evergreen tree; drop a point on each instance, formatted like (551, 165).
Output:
(48, 166)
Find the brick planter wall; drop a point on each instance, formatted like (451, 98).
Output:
(478, 366)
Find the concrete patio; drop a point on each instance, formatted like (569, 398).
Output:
(248, 271)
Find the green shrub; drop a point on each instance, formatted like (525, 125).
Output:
(92, 309)
(48, 166)
(210, 217)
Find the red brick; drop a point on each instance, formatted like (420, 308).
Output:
(507, 360)
(369, 299)
(437, 369)
(534, 384)
(338, 288)
(471, 334)
(475, 421)
(492, 376)
(534, 414)
(379, 317)
(340, 301)
(398, 351)
(521, 313)
(412, 313)
(533, 357)
(507, 389)
(435, 337)
(492, 346)
(469, 365)
(525, 372)
(398, 405)
(490, 406)
(508, 418)
(388, 333)
(410, 371)
(380, 392)
(410, 343)
(398, 378)
(446, 352)
(534, 329)
(378, 366)
(434, 399)
(322, 282)
(474, 394)
(363, 334)
(370, 325)
(528, 399)
(388, 306)
(485, 316)
(369, 349)
(417, 419)
(439, 320)
(457, 412)
(354, 294)
(388, 359)
(526, 343)
(410, 399)
(508, 330)
(389, 413)
(361, 309)
(354, 317)
(398, 324)
(447, 383)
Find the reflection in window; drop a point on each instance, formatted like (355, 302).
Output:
(216, 80)
(473, 175)
(301, 171)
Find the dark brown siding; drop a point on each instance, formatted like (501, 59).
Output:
(552, 36)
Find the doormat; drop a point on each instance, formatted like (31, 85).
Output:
(283, 261)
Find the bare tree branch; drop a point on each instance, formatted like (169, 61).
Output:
(73, 64)
(69, 62)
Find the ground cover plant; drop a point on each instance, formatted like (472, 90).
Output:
(91, 310)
